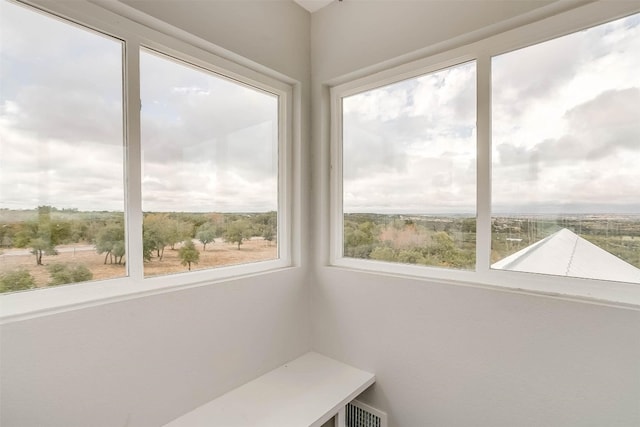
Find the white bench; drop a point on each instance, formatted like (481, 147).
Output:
(306, 392)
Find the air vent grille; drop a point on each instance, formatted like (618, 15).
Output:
(361, 415)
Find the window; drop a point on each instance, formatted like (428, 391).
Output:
(84, 197)
(62, 152)
(209, 170)
(409, 169)
(556, 190)
(566, 155)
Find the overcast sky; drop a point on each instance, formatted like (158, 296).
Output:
(410, 146)
(566, 129)
(208, 144)
(566, 132)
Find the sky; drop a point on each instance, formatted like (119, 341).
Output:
(208, 144)
(565, 132)
(410, 147)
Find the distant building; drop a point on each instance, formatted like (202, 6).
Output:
(564, 253)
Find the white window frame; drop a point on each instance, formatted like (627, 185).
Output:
(482, 51)
(190, 49)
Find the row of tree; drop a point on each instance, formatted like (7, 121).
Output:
(163, 230)
(44, 229)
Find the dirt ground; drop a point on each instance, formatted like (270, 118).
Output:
(217, 254)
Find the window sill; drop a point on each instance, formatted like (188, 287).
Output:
(43, 302)
(616, 294)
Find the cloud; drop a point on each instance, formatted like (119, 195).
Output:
(595, 162)
(565, 132)
(60, 114)
(574, 143)
(209, 143)
(410, 146)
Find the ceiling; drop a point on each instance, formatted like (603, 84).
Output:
(313, 5)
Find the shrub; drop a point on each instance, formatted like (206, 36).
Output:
(17, 280)
(64, 273)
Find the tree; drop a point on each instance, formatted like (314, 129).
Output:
(110, 241)
(383, 253)
(206, 234)
(6, 235)
(157, 231)
(17, 280)
(147, 247)
(237, 232)
(411, 256)
(188, 254)
(118, 251)
(42, 246)
(443, 245)
(268, 234)
(359, 239)
(178, 231)
(469, 225)
(43, 236)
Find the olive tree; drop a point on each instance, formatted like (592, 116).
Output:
(188, 254)
(110, 241)
(237, 232)
(206, 234)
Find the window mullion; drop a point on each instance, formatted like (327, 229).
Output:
(133, 173)
(336, 208)
(285, 181)
(483, 221)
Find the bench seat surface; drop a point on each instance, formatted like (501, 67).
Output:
(305, 392)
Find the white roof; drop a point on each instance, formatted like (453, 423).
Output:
(564, 253)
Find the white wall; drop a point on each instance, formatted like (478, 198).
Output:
(271, 33)
(447, 355)
(144, 361)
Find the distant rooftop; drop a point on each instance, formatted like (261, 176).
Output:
(564, 253)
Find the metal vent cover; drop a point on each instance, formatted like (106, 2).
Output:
(361, 415)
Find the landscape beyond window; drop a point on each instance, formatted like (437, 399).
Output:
(210, 159)
(209, 168)
(566, 155)
(62, 151)
(409, 170)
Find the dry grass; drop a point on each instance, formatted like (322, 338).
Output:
(217, 254)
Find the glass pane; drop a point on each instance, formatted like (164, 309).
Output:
(210, 169)
(61, 152)
(409, 170)
(566, 155)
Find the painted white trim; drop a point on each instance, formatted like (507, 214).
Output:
(483, 163)
(133, 161)
(336, 216)
(25, 305)
(185, 47)
(590, 290)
